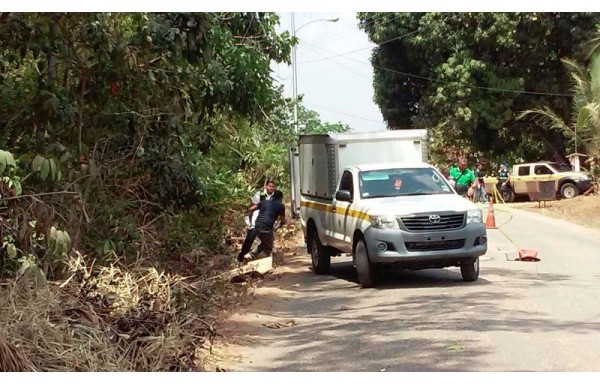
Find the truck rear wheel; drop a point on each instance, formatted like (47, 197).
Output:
(364, 269)
(508, 195)
(319, 255)
(568, 191)
(469, 269)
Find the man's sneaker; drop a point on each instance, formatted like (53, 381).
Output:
(249, 256)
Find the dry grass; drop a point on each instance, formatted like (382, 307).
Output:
(117, 317)
(581, 210)
(109, 320)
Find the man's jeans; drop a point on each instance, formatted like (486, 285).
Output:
(480, 195)
(267, 238)
(248, 241)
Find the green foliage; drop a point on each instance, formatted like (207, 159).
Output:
(10, 182)
(29, 242)
(467, 75)
(7, 161)
(47, 168)
(311, 123)
(583, 131)
(124, 124)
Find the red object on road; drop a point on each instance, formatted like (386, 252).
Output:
(528, 255)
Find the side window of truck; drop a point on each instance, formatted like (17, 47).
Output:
(542, 170)
(346, 183)
(523, 171)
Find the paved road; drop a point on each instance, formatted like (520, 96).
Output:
(518, 316)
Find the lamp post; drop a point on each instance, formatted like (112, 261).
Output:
(295, 67)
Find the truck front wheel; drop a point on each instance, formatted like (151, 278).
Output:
(364, 269)
(469, 269)
(568, 191)
(319, 255)
(508, 195)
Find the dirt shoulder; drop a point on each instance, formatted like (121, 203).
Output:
(240, 322)
(582, 210)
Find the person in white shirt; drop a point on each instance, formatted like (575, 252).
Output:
(259, 196)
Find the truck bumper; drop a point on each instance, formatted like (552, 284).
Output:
(394, 246)
(583, 185)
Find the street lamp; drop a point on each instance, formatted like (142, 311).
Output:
(295, 67)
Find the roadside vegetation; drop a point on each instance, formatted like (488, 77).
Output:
(131, 143)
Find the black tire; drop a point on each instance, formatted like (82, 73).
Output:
(508, 195)
(364, 269)
(469, 269)
(319, 254)
(569, 191)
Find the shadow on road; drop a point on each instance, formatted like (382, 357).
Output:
(441, 326)
(393, 278)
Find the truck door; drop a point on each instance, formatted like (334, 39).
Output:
(542, 172)
(343, 220)
(520, 178)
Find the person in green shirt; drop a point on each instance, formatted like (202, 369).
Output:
(464, 178)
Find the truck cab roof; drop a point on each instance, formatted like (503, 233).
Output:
(376, 166)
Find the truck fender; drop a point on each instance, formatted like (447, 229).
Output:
(563, 180)
(356, 236)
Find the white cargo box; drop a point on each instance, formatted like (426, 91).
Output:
(322, 158)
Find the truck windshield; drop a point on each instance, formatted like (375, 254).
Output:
(401, 182)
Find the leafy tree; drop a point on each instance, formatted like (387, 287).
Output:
(466, 76)
(132, 112)
(583, 131)
(311, 123)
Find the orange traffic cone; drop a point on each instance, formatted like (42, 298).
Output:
(490, 222)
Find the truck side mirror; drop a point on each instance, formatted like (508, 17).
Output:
(343, 195)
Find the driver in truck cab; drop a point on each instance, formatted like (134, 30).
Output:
(397, 184)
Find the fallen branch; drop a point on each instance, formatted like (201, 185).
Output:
(33, 196)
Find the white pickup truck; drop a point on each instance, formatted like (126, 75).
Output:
(349, 204)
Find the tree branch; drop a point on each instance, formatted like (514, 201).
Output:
(38, 195)
(153, 60)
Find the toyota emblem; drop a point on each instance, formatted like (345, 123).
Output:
(434, 219)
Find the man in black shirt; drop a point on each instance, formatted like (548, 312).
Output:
(269, 211)
(503, 177)
(266, 194)
(480, 196)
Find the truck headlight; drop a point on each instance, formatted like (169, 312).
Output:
(584, 178)
(384, 222)
(474, 216)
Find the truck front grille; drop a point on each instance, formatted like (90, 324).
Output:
(430, 222)
(434, 245)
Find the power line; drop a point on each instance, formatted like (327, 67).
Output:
(340, 31)
(334, 56)
(343, 66)
(343, 113)
(493, 89)
(340, 34)
(357, 50)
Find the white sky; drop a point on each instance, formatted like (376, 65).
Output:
(334, 70)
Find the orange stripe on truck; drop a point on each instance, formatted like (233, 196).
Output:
(328, 208)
